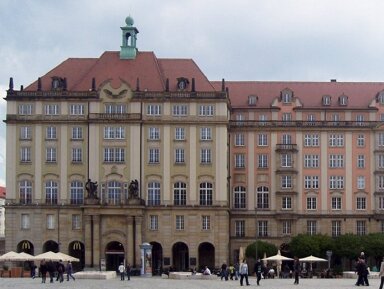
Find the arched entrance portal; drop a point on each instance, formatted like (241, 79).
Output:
(114, 255)
(206, 255)
(51, 246)
(157, 258)
(76, 249)
(180, 255)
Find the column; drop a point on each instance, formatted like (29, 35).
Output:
(138, 238)
(130, 242)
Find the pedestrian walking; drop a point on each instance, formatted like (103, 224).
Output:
(121, 270)
(128, 270)
(296, 270)
(69, 270)
(258, 270)
(43, 270)
(381, 274)
(224, 271)
(244, 273)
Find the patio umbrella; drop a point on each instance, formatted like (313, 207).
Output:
(312, 259)
(48, 256)
(278, 257)
(26, 257)
(65, 257)
(10, 256)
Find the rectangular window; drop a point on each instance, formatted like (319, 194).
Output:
(336, 228)
(361, 161)
(153, 222)
(239, 139)
(286, 117)
(380, 161)
(51, 133)
(239, 161)
(380, 203)
(286, 160)
(206, 223)
(154, 133)
(206, 110)
(286, 182)
(179, 223)
(25, 109)
(114, 155)
(25, 222)
(180, 110)
(50, 222)
(380, 139)
(180, 133)
(336, 161)
(262, 140)
(25, 154)
(286, 139)
(205, 133)
(50, 155)
(240, 228)
(263, 161)
(311, 227)
(361, 203)
(311, 161)
(286, 203)
(25, 132)
(311, 182)
(336, 182)
(76, 222)
(361, 182)
(336, 203)
(179, 156)
(77, 132)
(112, 132)
(262, 230)
(153, 109)
(154, 156)
(361, 229)
(336, 140)
(311, 203)
(360, 140)
(77, 155)
(115, 108)
(76, 109)
(287, 227)
(51, 109)
(311, 140)
(205, 156)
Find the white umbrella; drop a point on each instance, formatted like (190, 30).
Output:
(277, 257)
(48, 256)
(312, 259)
(26, 257)
(65, 257)
(10, 256)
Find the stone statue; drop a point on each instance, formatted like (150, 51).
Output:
(134, 189)
(91, 188)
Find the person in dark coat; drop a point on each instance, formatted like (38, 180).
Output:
(69, 270)
(296, 270)
(128, 271)
(258, 270)
(51, 270)
(60, 271)
(43, 270)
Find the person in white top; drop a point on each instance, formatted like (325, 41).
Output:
(121, 270)
(206, 271)
(244, 273)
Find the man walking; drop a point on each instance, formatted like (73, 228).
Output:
(258, 270)
(121, 270)
(244, 273)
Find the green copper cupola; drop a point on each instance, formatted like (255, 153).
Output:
(128, 47)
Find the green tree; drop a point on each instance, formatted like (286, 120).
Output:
(348, 246)
(304, 245)
(373, 246)
(262, 247)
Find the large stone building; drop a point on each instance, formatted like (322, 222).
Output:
(104, 154)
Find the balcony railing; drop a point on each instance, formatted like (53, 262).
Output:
(303, 124)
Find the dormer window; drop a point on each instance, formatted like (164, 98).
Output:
(380, 97)
(58, 83)
(326, 100)
(286, 96)
(343, 100)
(252, 99)
(182, 83)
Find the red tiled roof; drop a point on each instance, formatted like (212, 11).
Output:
(2, 192)
(360, 94)
(151, 71)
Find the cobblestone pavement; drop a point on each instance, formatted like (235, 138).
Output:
(159, 283)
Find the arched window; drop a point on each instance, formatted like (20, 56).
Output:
(77, 192)
(206, 194)
(114, 192)
(25, 191)
(153, 194)
(240, 197)
(180, 194)
(262, 197)
(51, 192)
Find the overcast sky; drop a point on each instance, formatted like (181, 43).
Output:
(306, 40)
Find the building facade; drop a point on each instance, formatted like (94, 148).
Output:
(104, 154)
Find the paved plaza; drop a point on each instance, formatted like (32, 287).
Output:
(159, 283)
